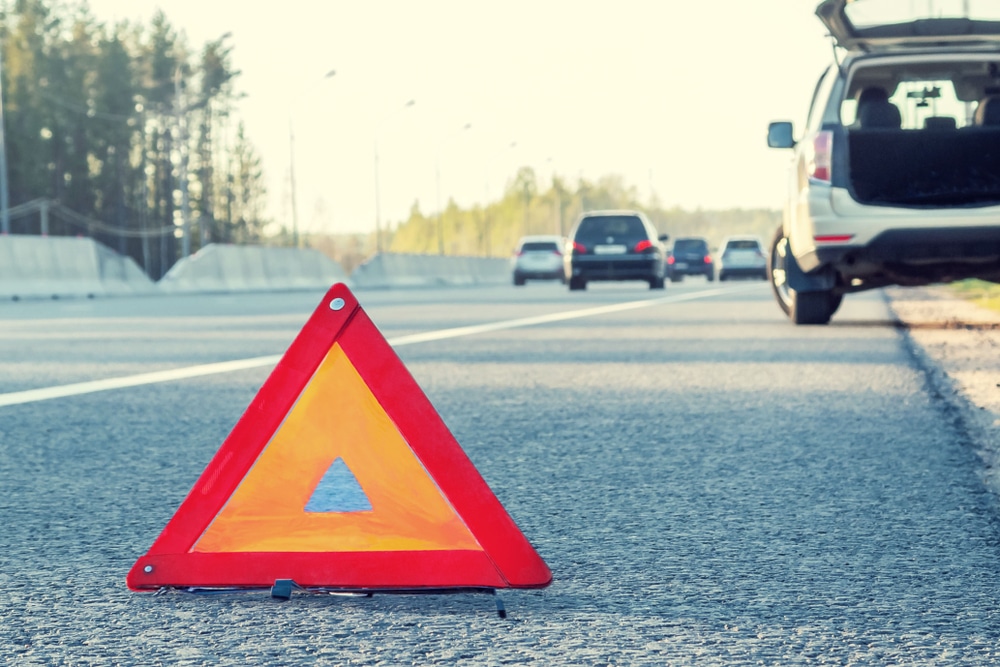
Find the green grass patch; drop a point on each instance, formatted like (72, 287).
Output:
(979, 292)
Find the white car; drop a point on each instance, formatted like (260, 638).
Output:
(538, 258)
(895, 179)
(742, 257)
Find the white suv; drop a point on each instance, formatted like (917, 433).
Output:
(896, 178)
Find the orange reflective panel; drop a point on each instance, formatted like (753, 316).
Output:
(336, 417)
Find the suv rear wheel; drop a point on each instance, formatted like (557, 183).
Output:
(801, 307)
(577, 283)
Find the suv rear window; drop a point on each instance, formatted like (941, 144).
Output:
(690, 245)
(539, 246)
(620, 227)
(877, 13)
(743, 244)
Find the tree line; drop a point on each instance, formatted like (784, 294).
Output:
(493, 229)
(128, 126)
(131, 133)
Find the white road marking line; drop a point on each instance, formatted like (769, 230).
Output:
(78, 388)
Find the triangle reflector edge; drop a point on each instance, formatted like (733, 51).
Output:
(442, 456)
(256, 426)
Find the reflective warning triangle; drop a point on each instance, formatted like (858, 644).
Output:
(340, 475)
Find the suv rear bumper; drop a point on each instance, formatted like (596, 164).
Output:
(919, 256)
(963, 237)
(618, 267)
(699, 268)
(539, 275)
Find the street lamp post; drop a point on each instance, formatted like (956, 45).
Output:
(291, 172)
(378, 203)
(486, 207)
(437, 174)
(181, 110)
(4, 191)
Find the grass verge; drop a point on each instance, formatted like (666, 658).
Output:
(979, 292)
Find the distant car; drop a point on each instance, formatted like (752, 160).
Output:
(742, 257)
(538, 258)
(690, 256)
(614, 245)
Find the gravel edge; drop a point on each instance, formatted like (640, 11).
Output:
(957, 346)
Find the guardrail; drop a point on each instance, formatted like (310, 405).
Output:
(233, 268)
(397, 270)
(53, 267)
(66, 266)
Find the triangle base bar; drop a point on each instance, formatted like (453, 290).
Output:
(378, 569)
(282, 590)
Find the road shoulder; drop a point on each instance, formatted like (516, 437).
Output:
(958, 345)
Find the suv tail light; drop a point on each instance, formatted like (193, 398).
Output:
(820, 157)
(671, 259)
(579, 248)
(644, 246)
(708, 259)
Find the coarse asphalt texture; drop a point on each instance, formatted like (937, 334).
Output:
(708, 483)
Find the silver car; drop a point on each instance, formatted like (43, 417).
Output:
(742, 257)
(538, 258)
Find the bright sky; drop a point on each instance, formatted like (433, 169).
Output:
(673, 96)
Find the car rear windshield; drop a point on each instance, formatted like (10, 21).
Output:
(743, 244)
(539, 246)
(619, 228)
(870, 13)
(690, 245)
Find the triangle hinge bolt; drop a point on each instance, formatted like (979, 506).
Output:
(282, 589)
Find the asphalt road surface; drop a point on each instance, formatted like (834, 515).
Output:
(708, 483)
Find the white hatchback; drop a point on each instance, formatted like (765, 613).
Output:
(538, 257)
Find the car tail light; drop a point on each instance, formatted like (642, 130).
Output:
(557, 252)
(579, 248)
(820, 157)
(670, 259)
(644, 246)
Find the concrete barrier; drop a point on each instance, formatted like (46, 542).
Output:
(232, 268)
(398, 270)
(66, 266)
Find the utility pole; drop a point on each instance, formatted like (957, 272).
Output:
(291, 169)
(378, 201)
(437, 175)
(182, 170)
(291, 178)
(378, 207)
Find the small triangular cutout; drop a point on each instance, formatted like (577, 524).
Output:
(338, 491)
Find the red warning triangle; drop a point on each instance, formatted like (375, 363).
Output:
(340, 474)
